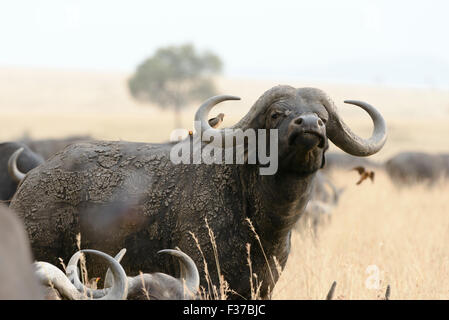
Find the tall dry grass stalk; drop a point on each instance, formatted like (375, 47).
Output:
(223, 286)
(223, 290)
(265, 256)
(83, 268)
(255, 288)
(211, 292)
(144, 288)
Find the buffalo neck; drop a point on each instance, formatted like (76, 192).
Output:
(276, 201)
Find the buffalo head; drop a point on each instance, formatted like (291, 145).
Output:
(305, 119)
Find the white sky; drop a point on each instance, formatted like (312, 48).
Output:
(350, 40)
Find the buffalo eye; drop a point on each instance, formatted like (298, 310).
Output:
(275, 115)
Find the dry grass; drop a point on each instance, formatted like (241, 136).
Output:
(383, 242)
(403, 233)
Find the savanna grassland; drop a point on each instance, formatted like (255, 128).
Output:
(378, 235)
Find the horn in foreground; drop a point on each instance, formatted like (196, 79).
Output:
(119, 289)
(189, 271)
(108, 280)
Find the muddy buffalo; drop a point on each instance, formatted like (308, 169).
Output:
(127, 194)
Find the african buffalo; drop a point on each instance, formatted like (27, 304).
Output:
(408, 168)
(127, 194)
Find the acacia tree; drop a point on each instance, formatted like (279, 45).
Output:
(175, 76)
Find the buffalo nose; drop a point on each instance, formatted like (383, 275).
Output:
(308, 121)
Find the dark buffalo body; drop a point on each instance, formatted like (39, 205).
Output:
(115, 187)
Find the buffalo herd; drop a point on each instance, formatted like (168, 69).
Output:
(178, 218)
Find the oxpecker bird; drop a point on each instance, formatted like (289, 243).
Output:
(215, 122)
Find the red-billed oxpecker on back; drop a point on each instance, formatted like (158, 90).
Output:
(216, 121)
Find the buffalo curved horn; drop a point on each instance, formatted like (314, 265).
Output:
(14, 172)
(108, 281)
(271, 95)
(201, 117)
(387, 293)
(353, 144)
(74, 276)
(119, 289)
(330, 294)
(189, 271)
(341, 135)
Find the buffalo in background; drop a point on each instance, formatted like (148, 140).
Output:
(404, 169)
(324, 199)
(34, 153)
(409, 168)
(26, 161)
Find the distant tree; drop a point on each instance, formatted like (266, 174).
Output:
(175, 76)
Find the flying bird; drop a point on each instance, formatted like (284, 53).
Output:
(215, 122)
(364, 174)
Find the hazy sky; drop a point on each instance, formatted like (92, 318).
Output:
(350, 40)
